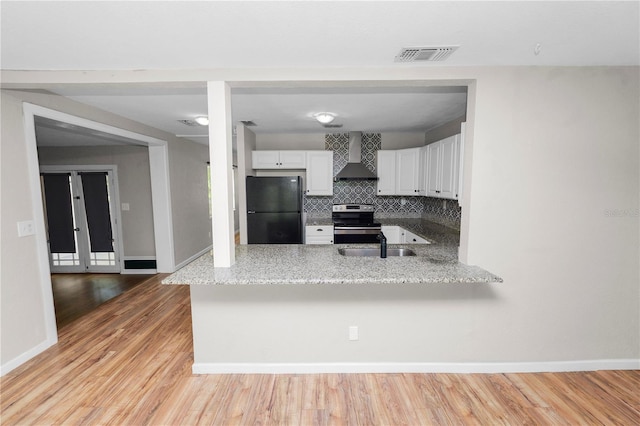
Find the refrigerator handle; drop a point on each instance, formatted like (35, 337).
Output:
(250, 211)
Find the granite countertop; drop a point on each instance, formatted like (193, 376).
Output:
(319, 221)
(263, 264)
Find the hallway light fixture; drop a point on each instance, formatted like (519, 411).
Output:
(324, 117)
(202, 120)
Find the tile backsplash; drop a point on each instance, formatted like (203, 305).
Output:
(364, 192)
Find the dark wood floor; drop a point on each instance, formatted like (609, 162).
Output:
(75, 295)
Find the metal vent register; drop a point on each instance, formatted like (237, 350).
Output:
(414, 54)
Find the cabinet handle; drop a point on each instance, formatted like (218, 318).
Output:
(320, 229)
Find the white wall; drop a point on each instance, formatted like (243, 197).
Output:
(23, 310)
(401, 140)
(289, 141)
(189, 199)
(134, 183)
(553, 209)
(444, 131)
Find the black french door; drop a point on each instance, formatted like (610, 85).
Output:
(79, 207)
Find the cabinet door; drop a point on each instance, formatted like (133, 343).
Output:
(293, 159)
(408, 171)
(265, 159)
(392, 234)
(318, 234)
(448, 163)
(319, 172)
(433, 169)
(424, 164)
(460, 163)
(411, 238)
(386, 170)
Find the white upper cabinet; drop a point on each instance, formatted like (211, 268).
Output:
(401, 172)
(279, 159)
(443, 168)
(319, 172)
(386, 170)
(409, 172)
(448, 182)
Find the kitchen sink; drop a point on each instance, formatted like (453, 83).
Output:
(375, 252)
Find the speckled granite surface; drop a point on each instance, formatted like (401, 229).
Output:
(322, 264)
(318, 221)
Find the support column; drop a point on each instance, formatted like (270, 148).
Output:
(220, 157)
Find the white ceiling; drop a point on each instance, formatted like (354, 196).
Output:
(118, 35)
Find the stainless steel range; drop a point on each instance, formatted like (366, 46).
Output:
(353, 223)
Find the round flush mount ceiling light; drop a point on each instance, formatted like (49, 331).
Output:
(324, 117)
(202, 120)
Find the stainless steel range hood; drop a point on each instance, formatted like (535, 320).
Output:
(355, 170)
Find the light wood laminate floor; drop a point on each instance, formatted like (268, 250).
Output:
(128, 362)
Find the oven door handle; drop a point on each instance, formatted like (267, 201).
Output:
(356, 230)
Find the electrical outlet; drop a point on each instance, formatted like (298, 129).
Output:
(25, 228)
(353, 332)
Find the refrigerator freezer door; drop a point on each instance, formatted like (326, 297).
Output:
(274, 194)
(274, 228)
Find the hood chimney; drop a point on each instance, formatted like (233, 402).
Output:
(355, 170)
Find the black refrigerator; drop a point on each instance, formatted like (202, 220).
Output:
(274, 210)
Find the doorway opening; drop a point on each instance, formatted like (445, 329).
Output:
(160, 194)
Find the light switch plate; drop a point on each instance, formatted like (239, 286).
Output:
(25, 228)
(125, 207)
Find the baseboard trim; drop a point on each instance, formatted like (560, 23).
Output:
(194, 257)
(26, 356)
(427, 367)
(138, 271)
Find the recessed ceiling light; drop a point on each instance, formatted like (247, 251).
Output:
(202, 120)
(324, 117)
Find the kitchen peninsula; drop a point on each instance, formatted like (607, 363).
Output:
(309, 309)
(262, 264)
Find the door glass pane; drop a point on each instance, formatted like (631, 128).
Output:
(61, 219)
(97, 203)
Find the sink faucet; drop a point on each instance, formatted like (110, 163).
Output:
(383, 245)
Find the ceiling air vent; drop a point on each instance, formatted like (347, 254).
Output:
(188, 122)
(416, 54)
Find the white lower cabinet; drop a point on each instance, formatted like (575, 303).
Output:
(392, 234)
(318, 234)
(411, 238)
(398, 235)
